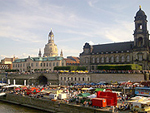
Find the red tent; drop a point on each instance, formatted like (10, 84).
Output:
(24, 88)
(17, 89)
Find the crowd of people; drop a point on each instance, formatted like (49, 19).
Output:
(73, 93)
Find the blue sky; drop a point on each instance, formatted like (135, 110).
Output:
(25, 24)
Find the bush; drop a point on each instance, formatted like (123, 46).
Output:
(120, 67)
(70, 68)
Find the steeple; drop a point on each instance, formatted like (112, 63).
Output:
(51, 36)
(40, 54)
(141, 35)
(61, 54)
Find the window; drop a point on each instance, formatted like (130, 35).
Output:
(112, 59)
(49, 64)
(128, 58)
(122, 59)
(140, 57)
(88, 79)
(93, 60)
(140, 42)
(36, 64)
(79, 78)
(64, 78)
(61, 78)
(107, 59)
(44, 64)
(54, 64)
(75, 78)
(41, 64)
(117, 58)
(98, 60)
(86, 60)
(31, 64)
(57, 64)
(102, 60)
(82, 79)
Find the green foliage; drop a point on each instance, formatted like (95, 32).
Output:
(12, 70)
(120, 67)
(70, 68)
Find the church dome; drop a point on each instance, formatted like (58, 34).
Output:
(140, 12)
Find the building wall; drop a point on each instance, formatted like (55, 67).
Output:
(31, 65)
(66, 79)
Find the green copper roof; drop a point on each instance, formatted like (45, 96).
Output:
(39, 59)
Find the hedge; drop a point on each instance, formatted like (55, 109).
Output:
(120, 67)
(70, 68)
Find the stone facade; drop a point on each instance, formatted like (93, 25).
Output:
(132, 52)
(38, 63)
(68, 79)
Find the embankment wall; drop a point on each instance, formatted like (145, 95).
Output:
(48, 105)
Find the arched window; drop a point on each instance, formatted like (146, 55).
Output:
(140, 57)
(122, 59)
(128, 58)
(93, 60)
(98, 60)
(107, 59)
(140, 42)
(117, 58)
(112, 59)
(102, 60)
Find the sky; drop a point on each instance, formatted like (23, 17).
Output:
(25, 24)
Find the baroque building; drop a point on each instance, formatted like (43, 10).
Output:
(132, 52)
(49, 60)
(50, 49)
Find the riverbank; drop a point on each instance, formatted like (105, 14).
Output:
(50, 106)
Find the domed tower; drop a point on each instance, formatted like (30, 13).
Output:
(141, 35)
(50, 49)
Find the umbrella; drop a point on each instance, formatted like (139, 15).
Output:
(17, 89)
(24, 88)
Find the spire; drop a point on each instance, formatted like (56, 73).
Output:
(139, 7)
(40, 54)
(61, 54)
(51, 36)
